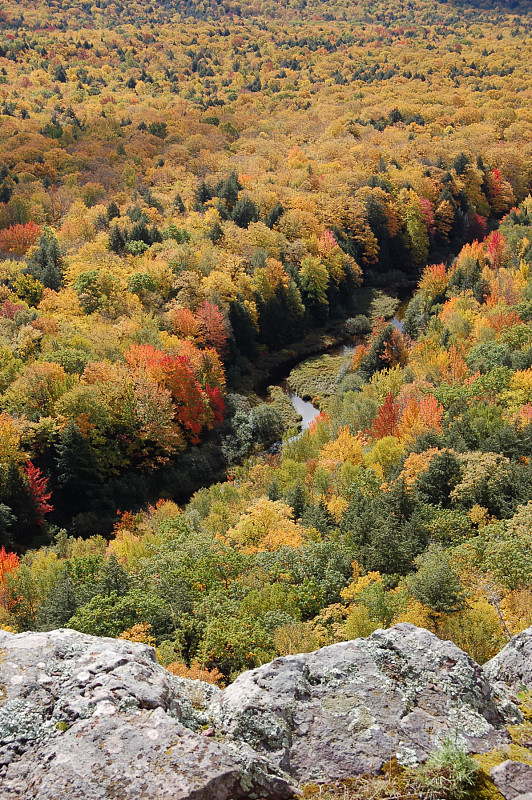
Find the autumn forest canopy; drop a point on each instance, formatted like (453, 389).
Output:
(195, 195)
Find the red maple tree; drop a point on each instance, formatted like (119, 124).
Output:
(386, 422)
(17, 239)
(37, 485)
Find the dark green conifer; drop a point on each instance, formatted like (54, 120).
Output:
(112, 211)
(46, 265)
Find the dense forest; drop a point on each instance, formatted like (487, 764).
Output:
(192, 193)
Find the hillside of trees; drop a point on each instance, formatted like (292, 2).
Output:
(189, 190)
(181, 198)
(408, 499)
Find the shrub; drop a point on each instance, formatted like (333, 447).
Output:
(448, 774)
(358, 326)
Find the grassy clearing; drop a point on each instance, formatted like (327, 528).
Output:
(317, 377)
(281, 403)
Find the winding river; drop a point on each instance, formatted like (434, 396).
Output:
(304, 408)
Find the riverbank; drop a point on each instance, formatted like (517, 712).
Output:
(273, 368)
(205, 463)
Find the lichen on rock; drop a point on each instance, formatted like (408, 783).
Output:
(88, 717)
(348, 708)
(78, 706)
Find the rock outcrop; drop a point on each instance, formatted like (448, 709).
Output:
(348, 708)
(513, 665)
(87, 717)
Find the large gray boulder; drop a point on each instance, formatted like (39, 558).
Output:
(349, 708)
(89, 718)
(513, 665)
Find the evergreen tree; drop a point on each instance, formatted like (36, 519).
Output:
(178, 203)
(46, 264)
(7, 521)
(274, 215)
(202, 195)
(113, 578)
(112, 211)
(317, 516)
(155, 234)
(60, 603)
(460, 163)
(117, 241)
(244, 212)
(60, 74)
(437, 482)
(297, 499)
(140, 233)
(244, 331)
(77, 472)
(215, 233)
(281, 317)
(273, 491)
(229, 191)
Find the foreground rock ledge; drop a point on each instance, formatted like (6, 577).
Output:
(348, 708)
(88, 717)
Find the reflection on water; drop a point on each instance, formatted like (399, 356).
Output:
(304, 408)
(399, 320)
(398, 323)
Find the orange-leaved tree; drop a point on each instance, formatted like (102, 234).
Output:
(195, 406)
(17, 239)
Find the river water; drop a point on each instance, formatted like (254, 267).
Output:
(304, 408)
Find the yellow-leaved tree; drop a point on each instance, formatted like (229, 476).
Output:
(266, 525)
(345, 447)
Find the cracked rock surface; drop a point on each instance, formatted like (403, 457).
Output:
(513, 665)
(88, 717)
(513, 779)
(349, 708)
